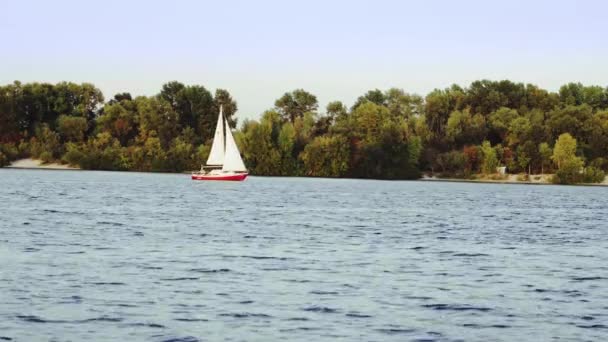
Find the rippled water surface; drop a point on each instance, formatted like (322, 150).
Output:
(100, 256)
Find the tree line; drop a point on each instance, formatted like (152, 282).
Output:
(454, 132)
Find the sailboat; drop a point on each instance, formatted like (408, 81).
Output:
(224, 162)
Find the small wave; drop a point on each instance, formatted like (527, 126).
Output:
(298, 319)
(191, 320)
(36, 319)
(121, 305)
(357, 315)
(470, 254)
(180, 278)
(151, 267)
(206, 270)
(113, 283)
(455, 307)
(394, 331)
(103, 319)
(324, 292)
(182, 339)
(498, 326)
(542, 290)
(33, 319)
(5, 338)
(587, 278)
(148, 325)
(108, 223)
(298, 281)
(261, 257)
(245, 315)
(301, 328)
(246, 302)
(419, 297)
(593, 326)
(321, 309)
(72, 299)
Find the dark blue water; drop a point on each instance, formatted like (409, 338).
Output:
(101, 256)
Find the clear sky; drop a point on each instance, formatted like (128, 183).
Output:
(337, 50)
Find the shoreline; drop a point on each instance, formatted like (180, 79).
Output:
(34, 164)
(511, 180)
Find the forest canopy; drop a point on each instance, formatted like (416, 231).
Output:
(391, 134)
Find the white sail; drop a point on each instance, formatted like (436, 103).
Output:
(232, 160)
(217, 154)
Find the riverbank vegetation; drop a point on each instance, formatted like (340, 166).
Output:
(461, 132)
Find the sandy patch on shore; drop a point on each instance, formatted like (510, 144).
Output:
(29, 163)
(509, 179)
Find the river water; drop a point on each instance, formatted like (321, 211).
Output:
(109, 256)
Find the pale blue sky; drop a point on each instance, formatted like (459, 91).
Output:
(337, 50)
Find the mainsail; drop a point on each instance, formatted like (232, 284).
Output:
(217, 154)
(232, 159)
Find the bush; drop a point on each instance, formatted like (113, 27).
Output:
(452, 162)
(46, 157)
(73, 156)
(599, 163)
(10, 151)
(3, 160)
(593, 175)
(24, 148)
(569, 172)
(496, 177)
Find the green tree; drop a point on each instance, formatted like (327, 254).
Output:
(464, 128)
(258, 147)
(229, 106)
(489, 159)
(72, 128)
(545, 152)
(564, 150)
(403, 105)
(520, 130)
(326, 156)
(294, 104)
(523, 159)
(336, 110)
(500, 121)
(181, 156)
(120, 119)
(568, 164)
(286, 144)
(375, 96)
(155, 114)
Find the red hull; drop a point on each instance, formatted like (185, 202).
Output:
(232, 177)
